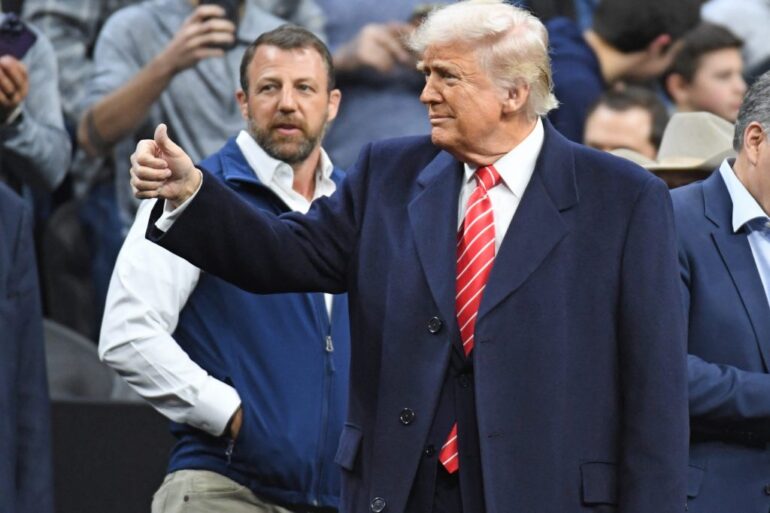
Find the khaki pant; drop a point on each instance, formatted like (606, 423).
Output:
(201, 491)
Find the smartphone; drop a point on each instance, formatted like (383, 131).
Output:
(16, 38)
(230, 7)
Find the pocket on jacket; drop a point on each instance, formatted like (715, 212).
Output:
(599, 483)
(350, 442)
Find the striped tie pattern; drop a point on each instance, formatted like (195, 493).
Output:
(475, 256)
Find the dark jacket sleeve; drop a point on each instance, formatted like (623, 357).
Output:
(653, 361)
(264, 253)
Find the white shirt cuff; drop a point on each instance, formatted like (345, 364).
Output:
(170, 215)
(217, 402)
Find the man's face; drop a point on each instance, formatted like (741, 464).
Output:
(608, 130)
(464, 105)
(718, 84)
(288, 103)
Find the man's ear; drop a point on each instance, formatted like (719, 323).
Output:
(753, 136)
(335, 96)
(677, 88)
(243, 103)
(516, 98)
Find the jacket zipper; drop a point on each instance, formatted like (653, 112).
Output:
(326, 400)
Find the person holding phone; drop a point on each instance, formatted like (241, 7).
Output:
(35, 147)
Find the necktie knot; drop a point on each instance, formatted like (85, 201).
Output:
(487, 177)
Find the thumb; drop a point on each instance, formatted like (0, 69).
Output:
(164, 142)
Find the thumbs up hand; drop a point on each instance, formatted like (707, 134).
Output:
(161, 169)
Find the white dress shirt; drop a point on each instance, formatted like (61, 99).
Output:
(149, 288)
(747, 212)
(515, 168)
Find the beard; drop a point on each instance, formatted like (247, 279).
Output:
(291, 149)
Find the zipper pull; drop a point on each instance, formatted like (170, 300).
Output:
(229, 450)
(329, 345)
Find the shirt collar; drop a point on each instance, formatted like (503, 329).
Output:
(745, 207)
(516, 166)
(265, 166)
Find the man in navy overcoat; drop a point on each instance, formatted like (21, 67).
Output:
(573, 397)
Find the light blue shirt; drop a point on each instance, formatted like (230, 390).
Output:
(747, 213)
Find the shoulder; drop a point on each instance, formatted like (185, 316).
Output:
(229, 151)
(140, 17)
(400, 149)
(689, 205)
(619, 174)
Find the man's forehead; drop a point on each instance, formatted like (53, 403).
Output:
(448, 55)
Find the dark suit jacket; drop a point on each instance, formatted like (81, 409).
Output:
(729, 346)
(26, 484)
(579, 357)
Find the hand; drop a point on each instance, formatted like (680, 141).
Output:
(378, 46)
(161, 169)
(14, 85)
(198, 38)
(235, 423)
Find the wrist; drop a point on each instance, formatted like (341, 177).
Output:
(164, 66)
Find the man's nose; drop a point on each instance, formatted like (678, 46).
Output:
(287, 101)
(430, 94)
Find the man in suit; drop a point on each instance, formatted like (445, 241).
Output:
(724, 256)
(517, 333)
(26, 472)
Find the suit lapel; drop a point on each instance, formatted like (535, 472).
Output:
(433, 217)
(736, 254)
(537, 227)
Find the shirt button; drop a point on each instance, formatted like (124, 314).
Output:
(464, 380)
(378, 505)
(406, 417)
(434, 325)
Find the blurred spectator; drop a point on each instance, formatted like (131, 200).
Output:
(256, 384)
(629, 41)
(376, 74)
(707, 74)
(26, 476)
(749, 19)
(632, 117)
(72, 27)
(35, 147)
(693, 144)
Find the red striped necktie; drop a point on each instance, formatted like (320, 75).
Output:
(475, 256)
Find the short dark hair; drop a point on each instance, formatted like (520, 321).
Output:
(631, 25)
(287, 37)
(703, 39)
(630, 97)
(755, 107)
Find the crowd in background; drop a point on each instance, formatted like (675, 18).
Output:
(101, 74)
(121, 67)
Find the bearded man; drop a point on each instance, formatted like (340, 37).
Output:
(255, 385)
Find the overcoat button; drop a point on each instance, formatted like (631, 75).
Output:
(767, 489)
(429, 451)
(434, 325)
(378, 505)
(406, 417)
